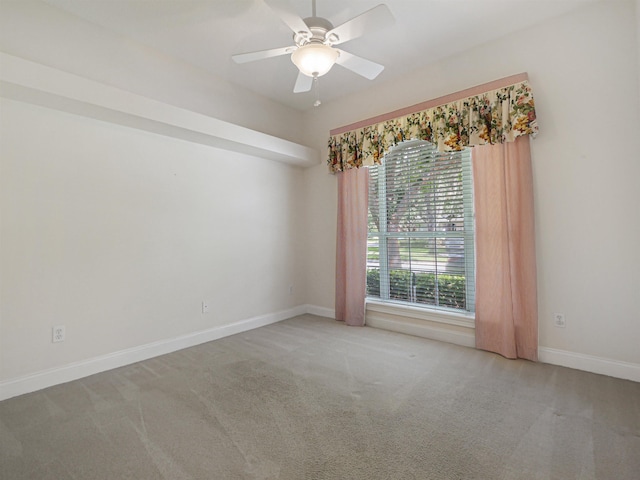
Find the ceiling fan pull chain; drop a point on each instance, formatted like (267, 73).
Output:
(316, 88)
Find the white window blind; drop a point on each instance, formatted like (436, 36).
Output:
(421, 228)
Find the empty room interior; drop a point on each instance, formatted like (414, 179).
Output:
(414, 259)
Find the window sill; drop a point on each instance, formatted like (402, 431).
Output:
(420, 313)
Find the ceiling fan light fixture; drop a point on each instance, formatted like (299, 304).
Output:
(315, 59)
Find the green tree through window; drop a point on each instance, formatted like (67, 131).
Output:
(421, 232)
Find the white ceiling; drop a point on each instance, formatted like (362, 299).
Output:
(206, 33)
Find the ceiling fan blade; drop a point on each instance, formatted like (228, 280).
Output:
(252, 56)
(288, 16)
(359, 65)
(371, 20)
(303, 83)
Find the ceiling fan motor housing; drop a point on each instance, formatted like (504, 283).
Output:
(318, 27)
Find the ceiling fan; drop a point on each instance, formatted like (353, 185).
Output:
(314, 38)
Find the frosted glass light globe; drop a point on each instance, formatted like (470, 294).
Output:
(314, 59)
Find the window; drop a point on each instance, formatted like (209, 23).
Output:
(421, 234)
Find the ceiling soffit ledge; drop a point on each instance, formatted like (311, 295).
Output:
(37, 84)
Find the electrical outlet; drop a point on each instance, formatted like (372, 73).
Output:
(58, 334)
(205, 306)
(559, 320)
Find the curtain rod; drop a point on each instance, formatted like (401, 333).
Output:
(452, 97)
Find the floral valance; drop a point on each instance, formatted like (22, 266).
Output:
(496, 116)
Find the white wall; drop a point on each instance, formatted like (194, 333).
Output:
(584, 71)
(120, 234)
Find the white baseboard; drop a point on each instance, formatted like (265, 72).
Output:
(590, 363)
(91, 366)
(76, 370)
(321, 311)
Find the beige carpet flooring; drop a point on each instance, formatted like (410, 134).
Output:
(310, 398)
